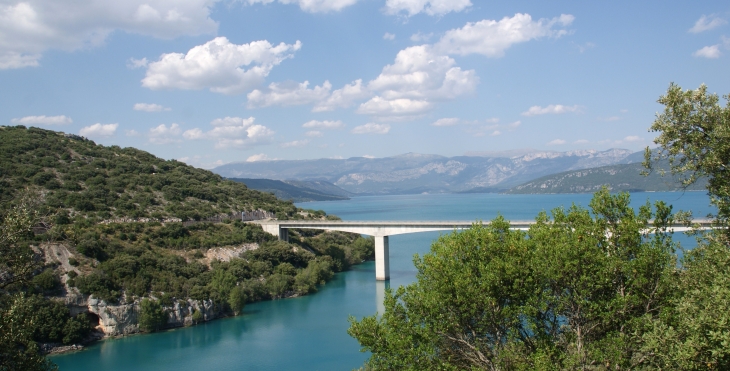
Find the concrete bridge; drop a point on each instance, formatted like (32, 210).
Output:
(380, 230)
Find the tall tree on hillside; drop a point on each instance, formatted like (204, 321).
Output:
(693, 333)
(694, 134)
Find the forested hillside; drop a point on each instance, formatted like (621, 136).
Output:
(129, 228)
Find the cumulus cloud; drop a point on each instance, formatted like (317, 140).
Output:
(430, 7)
(150, 107)
(395, 108)
(295, 143)
(259, 157)
(42, 120)
(495, 133)
(491, 38)
(371, 128)
(416, 79)
(556, 142)
(514, 125)
(315, 124)
(389, 36)
(132, 133)
(551, 109)
(164, 134)
(344, 97)
(233, 132)
(218, 65)
(451, 121)
(711, 52)
(99, 130)
(31, 27)
(632, 138)
(706, 23)
(288, 93)
(313, 6)
(581, 141)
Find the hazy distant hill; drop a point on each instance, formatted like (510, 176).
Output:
(625, 177)
(297, 191)
(419, 173)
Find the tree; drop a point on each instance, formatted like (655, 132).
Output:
(694, 331)
(152, 316)
(572, 292)
(694, 134)
(18, 320)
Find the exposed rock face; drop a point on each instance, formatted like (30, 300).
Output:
(123, 319)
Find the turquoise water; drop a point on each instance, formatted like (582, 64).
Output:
(309, 333)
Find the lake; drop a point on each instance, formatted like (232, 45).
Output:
(309, 333)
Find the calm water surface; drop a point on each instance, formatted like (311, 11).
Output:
(309, 333)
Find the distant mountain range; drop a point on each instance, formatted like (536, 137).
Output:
(420, 173)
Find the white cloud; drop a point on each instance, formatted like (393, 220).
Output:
(712, 52)
(417, 79)
(314, 134)
(314, 124)
(132, 133)
(150, 107)
(288, 93)
(451, 121)
(163, 134)
(430, 7)
(491, 38)
(581, 141)
(556, 142)
(492, 120)
(42, 120)
(233, 132)
(371, 128)
(99, 130)
(218, 65)
(313, 6)
(495, 133)
(259, 157)
(343, 97)
(137, 63)
(420, 37)
(389, 36)
(395, 107)
(295, 143)
(632, 138)
(31, 27)
(368, 156)
(514, 125)
(551, 109)
(706, 23)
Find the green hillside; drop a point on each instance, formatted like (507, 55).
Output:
(123, 225)
(618, 178)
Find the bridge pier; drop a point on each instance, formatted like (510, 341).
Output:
(382, 258)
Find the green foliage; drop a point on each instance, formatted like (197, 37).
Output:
(18, 350)
(570, 293)
(694, 134)
(197, 317)
(237, 299)
(278, 284)
(152, 317)
(47, 282)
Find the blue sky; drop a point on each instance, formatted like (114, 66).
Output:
(210, 82)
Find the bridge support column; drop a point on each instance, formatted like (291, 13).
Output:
(382, 258)
(283, 234)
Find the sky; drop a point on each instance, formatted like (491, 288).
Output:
(210, 82)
